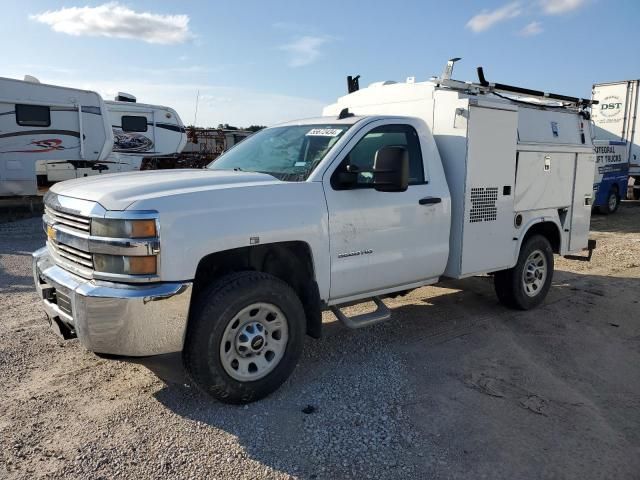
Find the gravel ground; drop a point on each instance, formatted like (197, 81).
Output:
(454, 386)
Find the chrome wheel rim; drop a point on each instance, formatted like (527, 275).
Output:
(534, 274)
(613, 200)
(254, 342)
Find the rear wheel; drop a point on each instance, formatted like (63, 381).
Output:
(613, 202)
(526, 285)
(245, 337)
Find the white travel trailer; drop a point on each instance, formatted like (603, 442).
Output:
(57, 125)
(139, 130)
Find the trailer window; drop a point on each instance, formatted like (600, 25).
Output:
(363, 154)
(134, 123)
(33, 116)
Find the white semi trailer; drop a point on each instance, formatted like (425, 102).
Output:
(397, 186)
(616, 132)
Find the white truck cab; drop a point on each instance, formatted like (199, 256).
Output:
(397, 186)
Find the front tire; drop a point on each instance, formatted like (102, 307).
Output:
(245, 337)
(526, 285)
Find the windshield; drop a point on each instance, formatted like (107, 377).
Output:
(287, 153)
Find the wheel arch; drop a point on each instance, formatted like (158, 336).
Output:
(548, 228)
(291, 262)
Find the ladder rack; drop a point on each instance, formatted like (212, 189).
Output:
(486, 87)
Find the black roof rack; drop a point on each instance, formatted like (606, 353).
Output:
(534, 93)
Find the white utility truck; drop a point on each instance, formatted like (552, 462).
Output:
(397, 186)
(616, 119)
(48, 124)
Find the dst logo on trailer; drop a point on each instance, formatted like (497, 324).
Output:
(611, 106)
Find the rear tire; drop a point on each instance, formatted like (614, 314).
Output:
(526, 285)
(612, 204)
(244, 338)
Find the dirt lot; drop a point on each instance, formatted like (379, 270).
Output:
(454, 386)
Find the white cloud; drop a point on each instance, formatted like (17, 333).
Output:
(487, 19)
(558, 7)
(304, 50)
(531, 29)
(116, 20)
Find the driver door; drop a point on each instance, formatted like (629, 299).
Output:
(381, 240)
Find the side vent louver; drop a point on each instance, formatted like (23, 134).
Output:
(483, 204)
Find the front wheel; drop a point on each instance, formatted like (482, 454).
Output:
(526, 285)
(245, 337)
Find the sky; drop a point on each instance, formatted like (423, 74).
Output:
(257, 62)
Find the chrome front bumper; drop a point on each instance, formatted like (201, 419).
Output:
(118, 319)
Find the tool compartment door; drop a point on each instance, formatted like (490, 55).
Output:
(582, 200)
(488, 218)
(544, 180)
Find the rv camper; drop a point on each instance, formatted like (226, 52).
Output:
(58, 126)
(139, 131)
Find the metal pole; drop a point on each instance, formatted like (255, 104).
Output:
(195, 116)
(80, 131)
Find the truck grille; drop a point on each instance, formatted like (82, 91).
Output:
(70, 220)
(79, 260)
(70, 254)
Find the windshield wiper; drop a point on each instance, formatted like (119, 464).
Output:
(289, 177)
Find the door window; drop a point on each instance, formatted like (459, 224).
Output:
(363, 155)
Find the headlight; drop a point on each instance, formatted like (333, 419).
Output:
(124, 265)
(116, 228)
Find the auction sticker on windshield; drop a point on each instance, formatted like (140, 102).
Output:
(324, 132)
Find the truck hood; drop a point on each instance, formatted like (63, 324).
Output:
(120, 190)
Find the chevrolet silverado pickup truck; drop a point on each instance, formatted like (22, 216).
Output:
(396, 186)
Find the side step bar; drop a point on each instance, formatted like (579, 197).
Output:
(381, 314)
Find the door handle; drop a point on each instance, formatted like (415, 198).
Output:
(429, 200)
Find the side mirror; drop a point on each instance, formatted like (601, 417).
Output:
(391, 169)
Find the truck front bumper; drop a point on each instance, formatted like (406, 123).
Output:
(118, 319)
